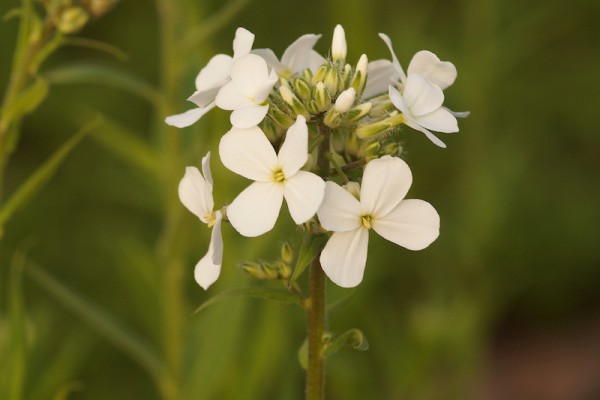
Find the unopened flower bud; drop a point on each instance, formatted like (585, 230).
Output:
(357, 113)
(72, 19)
(282, 269)
(97, 8)
(393, 149)
(287, 254)
(271, 129)
(372, 149)
(345, 100)
(307, 75)
(320, 74)
(332, 118)
(338, 44)
(279, 117)
(373, 129)
(322, 97)
(312, 107)
(302, 88)
(294, 102)
(260, 271)
(359, 80)
(331, 81)
(345, 76)
(353, 188)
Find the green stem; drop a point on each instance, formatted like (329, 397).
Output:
(316, 314)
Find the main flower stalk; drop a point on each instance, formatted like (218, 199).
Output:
(316, 313)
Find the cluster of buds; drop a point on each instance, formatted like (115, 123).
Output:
(70, 16)
(293, 116)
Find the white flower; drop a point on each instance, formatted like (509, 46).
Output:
(211, 79)
(413, 224)
(195, 192)
(421, 105)
(249, 153)
(296, 58)
(247, 92)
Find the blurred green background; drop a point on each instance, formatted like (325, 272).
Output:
(517, 189)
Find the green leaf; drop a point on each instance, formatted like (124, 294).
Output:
(27, 101)
(334, 305)
(265, 293)
(97, 45)
(105, 76)
(354, 338)
(100, 321)
(50, 47)
(311, 245)
(126, 145)
(44, 172)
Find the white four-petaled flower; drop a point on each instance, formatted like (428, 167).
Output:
(413, 224)
(249, 153)
(246, 94)
(195, 192)
(211, 79)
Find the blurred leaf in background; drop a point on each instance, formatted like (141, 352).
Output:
(517, 191)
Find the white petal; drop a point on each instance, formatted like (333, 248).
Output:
(230, 97)
(339, 211)
(380, 74)
(256, 209)
(208, 268)
(440, 120)
(270, 58)
(208, 187)
(205, 97)
(248, 73)
(413, 224)
(410, 122)
(422, 96)
(242, 44)
(398, 101)
(459, 114)
(386, 181)
(216, 239)
(395, 62)
(206, 272)
(247, 117)
(189, 117)
(315, 60)
(248, 153)
(345, 100)
(298, 54)
(264, 88)
(429, 66)
(215, 74)
(303, 193)
(294, 150)
(344, 257)
(192, 193)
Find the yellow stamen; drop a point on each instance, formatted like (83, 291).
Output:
(365, 220)
(211, 218)
(279, 176)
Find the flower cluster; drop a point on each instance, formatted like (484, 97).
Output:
(321, 134)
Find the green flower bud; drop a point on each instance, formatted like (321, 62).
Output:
(393, 149)
(72, 19)
(320, 74)
(357, 113)
(353, 188)
(302, 88)
(331, 81)
(294, 102)
(307, 75)
(322, 97)
(260, 271)
(287, 254)
(312, 107)
(279, 117)
(373, 129)
(359, 80)
(345, 76)
(333, 118)
(282, 269)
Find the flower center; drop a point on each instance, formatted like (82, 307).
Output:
(211, 219)
(365, 220)
(278, 175)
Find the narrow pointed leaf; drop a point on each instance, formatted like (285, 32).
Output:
(354, 338)
(342, 301)
(265, 293)
(16, 350)
(40, 177)
(97, 45)
(106, 76)
(100, 321)
(27, 101)
(311, 246)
